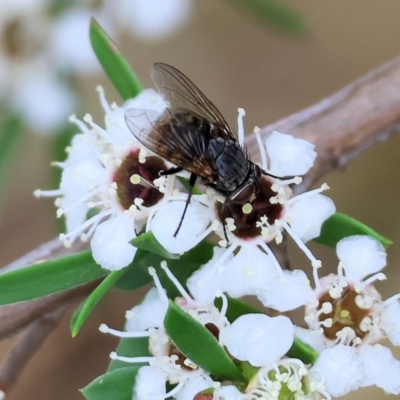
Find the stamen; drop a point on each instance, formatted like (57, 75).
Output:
(274, 260)
(316, 264)
(105, 329)
(175, 281)
(247, 208)
(308, 194)
(136, 179)
(115, 356)
(70, 236)
(377, 277)
(161, 291)
(47, 193)
(261, 147)
(241, 114)
(103, 100)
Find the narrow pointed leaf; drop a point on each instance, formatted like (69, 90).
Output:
(113, 62)
(273, 12)
(114, 385)
(303, 352)
(339, 226)
(147, 241)
(137, 275)
(52, 276)
(86, 308)
(199, 345)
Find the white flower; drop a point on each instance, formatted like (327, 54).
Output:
(193, 227)
(286, 378)
(108, 172)
(151, 19)
(146, 320)
(69, 43)
(259, 339)
(248, 266)
(347, 317)
(250, 272)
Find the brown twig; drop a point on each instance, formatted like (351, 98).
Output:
(345, 124)
(26, 348)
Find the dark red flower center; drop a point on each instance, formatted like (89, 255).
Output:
(261, 206)
(148, 171)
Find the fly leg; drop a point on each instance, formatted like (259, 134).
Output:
(224, 215)
(192, 181)
(171, 171)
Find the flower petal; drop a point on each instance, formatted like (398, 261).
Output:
(288, 292)
(248, 272)
(381, 368)
(311, 337)
(167, 219)
(289, 156)
(258, 338)
(192, 387)
(206, 281)
(155, 19)
(361, 256)
(391, 322)
(340, 368)
(149, 384)
(110, 243)
(149, 313)
(307, 215)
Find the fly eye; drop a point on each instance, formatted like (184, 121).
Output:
(243, 195)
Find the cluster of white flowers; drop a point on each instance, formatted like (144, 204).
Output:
(40, 40)
(111, 191)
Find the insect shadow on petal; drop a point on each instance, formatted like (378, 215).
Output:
(192, 134)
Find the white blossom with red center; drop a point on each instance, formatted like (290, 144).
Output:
(347, 318)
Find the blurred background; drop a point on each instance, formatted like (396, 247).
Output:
(237, 60)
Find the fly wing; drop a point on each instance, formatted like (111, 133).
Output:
(181, 93)
(171, 137)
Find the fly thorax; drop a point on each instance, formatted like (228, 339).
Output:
(230, 162)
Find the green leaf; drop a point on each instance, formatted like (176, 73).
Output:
(137, 275)
(130, 347)
(147, 241)
(339, 226)
(199, 345)
(189, 262)
(236, 308)
(114, 385)
(273, 12)
(303, 352)
(38, 280)
(114, 64)
(85, 309)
